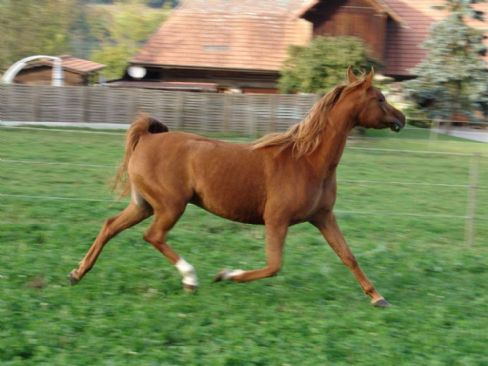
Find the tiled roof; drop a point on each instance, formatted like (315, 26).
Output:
(80, 65)
(70, 63)
(233, 34)
(242, 6)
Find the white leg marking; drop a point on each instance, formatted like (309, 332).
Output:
(188, 272)
(228, 274)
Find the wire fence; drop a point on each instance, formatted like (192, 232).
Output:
(70, 110)
(472, 187)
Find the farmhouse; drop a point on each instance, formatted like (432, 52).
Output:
(221, 45)
(76, 71)
(240, 45)
(394, 30)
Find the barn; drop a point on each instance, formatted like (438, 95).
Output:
(393, 30)
(220, 46)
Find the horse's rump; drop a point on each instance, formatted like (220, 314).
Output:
(142, 125)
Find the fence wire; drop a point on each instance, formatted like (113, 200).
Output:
(471, 188)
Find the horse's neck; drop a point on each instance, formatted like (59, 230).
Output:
(329, 153)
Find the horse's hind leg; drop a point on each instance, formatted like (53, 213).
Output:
(130, 216)
(164, 220)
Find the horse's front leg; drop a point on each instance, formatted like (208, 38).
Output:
(275, 239)
(328, 227)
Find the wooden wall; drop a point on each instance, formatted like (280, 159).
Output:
(42, 75)
(356, 18)
(258, 81)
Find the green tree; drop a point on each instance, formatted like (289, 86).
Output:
(451, 81)
(321, 65)
(30, 27)
(121, 29)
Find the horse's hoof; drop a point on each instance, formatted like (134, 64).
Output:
(381, 303)
(222, 275)
(73, 280)
(190, 289)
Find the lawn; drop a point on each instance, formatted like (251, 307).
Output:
(402, 213)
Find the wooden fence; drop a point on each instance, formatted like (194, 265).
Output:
(202, 112)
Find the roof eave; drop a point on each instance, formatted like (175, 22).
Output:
(197, 67)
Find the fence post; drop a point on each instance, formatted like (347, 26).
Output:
(227, 112)
(179, 110)
(85, 102)
(273, 117)
(251, 115)
(133, 107)
(434, 130)
(470, 227)
(36, 105)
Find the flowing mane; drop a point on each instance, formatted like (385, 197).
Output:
(305, 136)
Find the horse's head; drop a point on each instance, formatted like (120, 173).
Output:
(371, 108)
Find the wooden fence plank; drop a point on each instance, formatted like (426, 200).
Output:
(200, 112)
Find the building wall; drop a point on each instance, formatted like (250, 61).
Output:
(356, 18)
(42, 75)
(227, 80)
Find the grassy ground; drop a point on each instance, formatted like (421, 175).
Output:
(130, 309)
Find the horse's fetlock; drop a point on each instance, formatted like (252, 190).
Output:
(188, 273)
(369, 290)
(273, 271)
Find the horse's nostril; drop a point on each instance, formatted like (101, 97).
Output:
(396, 126)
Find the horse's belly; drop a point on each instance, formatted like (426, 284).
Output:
(240, 208)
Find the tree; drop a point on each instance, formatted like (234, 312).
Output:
(321, 65)
(120, 30)
(30, 27)
(451, 81)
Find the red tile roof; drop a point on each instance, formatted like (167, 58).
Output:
(233, 34)
(242, 6)
(70, 63)
(80, 65)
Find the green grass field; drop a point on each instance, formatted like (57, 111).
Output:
(130, 309)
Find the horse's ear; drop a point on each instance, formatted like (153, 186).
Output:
(351, 78)
(368, 79)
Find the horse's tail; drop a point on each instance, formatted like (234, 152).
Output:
(143, 124)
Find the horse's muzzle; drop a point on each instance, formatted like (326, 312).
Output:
(397, 125)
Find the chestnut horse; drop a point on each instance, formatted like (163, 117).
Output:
(280, 180)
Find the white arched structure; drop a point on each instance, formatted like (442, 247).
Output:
(57, 76)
